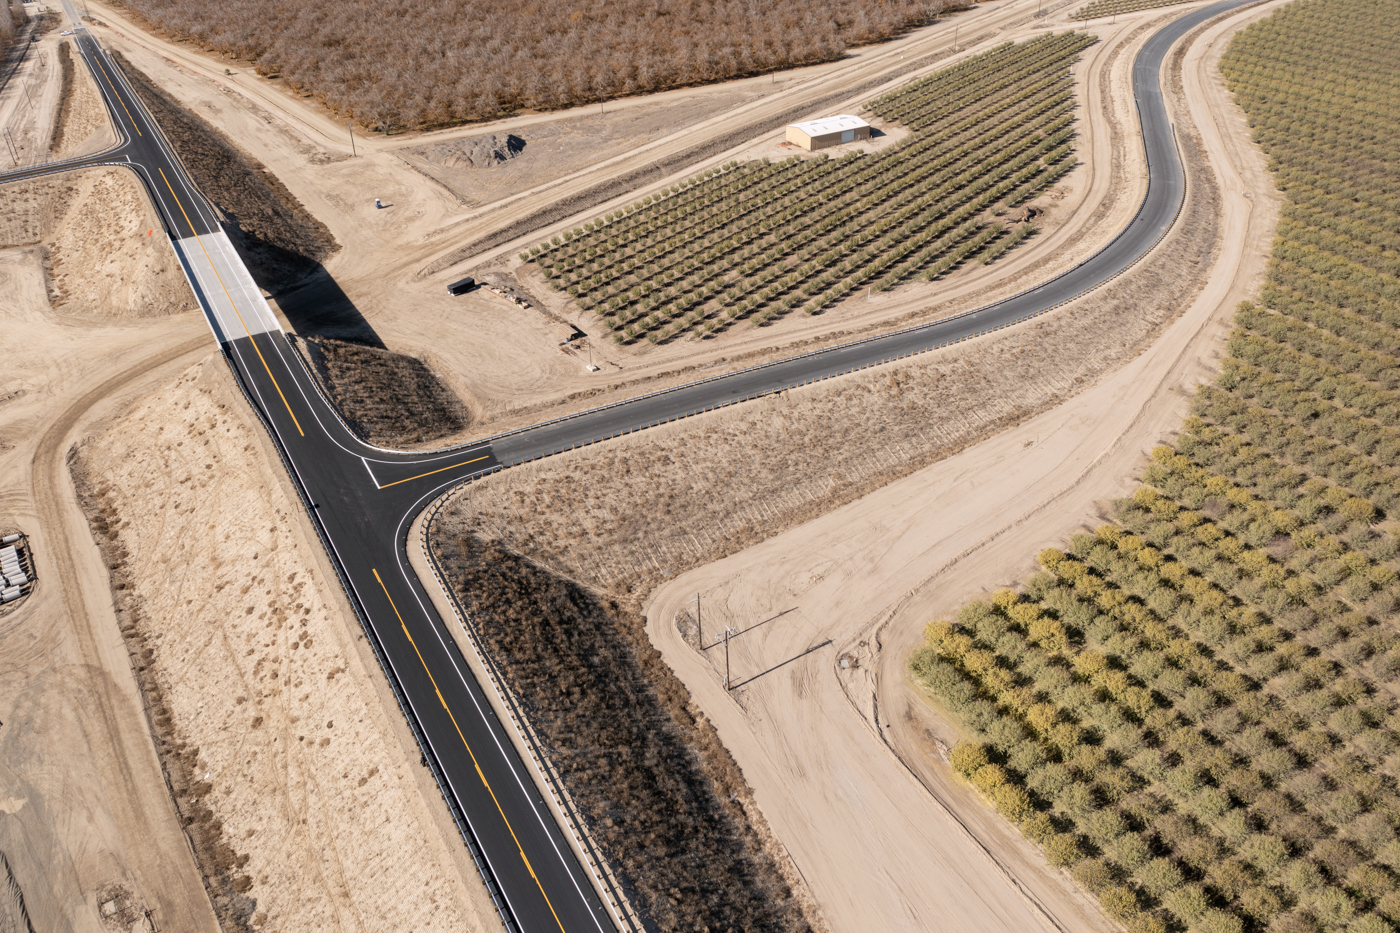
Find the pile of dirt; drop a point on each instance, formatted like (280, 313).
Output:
(279, 239)
(477, 152)
(390, 399)
(298, 793)
(655, 785)
(106, 251)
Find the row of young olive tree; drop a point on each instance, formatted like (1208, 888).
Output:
(757, 240)
(1196, 710)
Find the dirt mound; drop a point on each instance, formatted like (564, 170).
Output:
(478, 152)
(107, 254)
(278, 238)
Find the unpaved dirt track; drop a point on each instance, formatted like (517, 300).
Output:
(85, 802)
(508, 363)
(843, 761)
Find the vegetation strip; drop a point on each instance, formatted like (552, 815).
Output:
(1113, 7)
(1195, 709)
(756, 240)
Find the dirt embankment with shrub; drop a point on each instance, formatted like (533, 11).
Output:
(656, 787)
(278, 238)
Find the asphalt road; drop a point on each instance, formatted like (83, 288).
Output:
(362, 500)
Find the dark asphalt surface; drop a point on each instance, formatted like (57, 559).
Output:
(363, 500)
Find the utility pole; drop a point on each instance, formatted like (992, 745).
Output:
(351, 128)
(698, 627)
(727, 633)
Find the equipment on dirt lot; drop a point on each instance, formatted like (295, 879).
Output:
(461, 286)
(377, 205)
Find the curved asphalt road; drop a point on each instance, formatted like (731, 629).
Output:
(362, 500)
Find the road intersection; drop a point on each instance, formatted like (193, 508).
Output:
(362, 499)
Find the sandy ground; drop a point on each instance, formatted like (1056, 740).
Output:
(83, 807)
(844, 758)
(508, 364)
(29, 105)
(310, 778)
(105, 248)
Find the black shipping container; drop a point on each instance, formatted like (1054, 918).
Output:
(461, 285)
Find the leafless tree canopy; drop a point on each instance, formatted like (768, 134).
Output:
(449, 61)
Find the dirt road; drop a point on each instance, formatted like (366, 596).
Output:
(840, 751)
(507, 364)
(85, 804)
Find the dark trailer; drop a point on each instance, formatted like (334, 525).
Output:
(461, 286)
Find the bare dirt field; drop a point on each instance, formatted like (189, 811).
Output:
(841, 756)
(84, 812)
(271, 704)
(510, 362)
(47, 115)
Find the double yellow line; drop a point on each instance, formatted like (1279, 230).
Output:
(485, 783)
(431, 472)
(233, 305)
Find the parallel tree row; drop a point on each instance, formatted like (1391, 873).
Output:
(1111, 7)
(1196, 710)
(757, 240)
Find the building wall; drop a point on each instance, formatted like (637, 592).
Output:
(826, 140)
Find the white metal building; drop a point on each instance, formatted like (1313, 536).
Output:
(828, 131)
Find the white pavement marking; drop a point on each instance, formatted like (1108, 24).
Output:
(227, 290)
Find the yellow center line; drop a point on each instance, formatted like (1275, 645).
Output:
(487, 784)
(231, 302)
(431, 472)
(119, 98)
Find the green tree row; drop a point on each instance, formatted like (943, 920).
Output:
(751, 241)
(1196, 709)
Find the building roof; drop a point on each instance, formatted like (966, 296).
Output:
(830, 125)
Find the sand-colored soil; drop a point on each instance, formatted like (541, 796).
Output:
(30, 103)
(883, 837)
(310, 778)
(509, 361)
(83, 807)
(107, 252)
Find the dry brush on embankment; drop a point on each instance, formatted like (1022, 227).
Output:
(656, 788)
(1195, 709)
(279, 239)
(389, 399)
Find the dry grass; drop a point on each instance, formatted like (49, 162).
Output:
(659, 792)
(279, 239)
(388, 398)
(65, 102)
